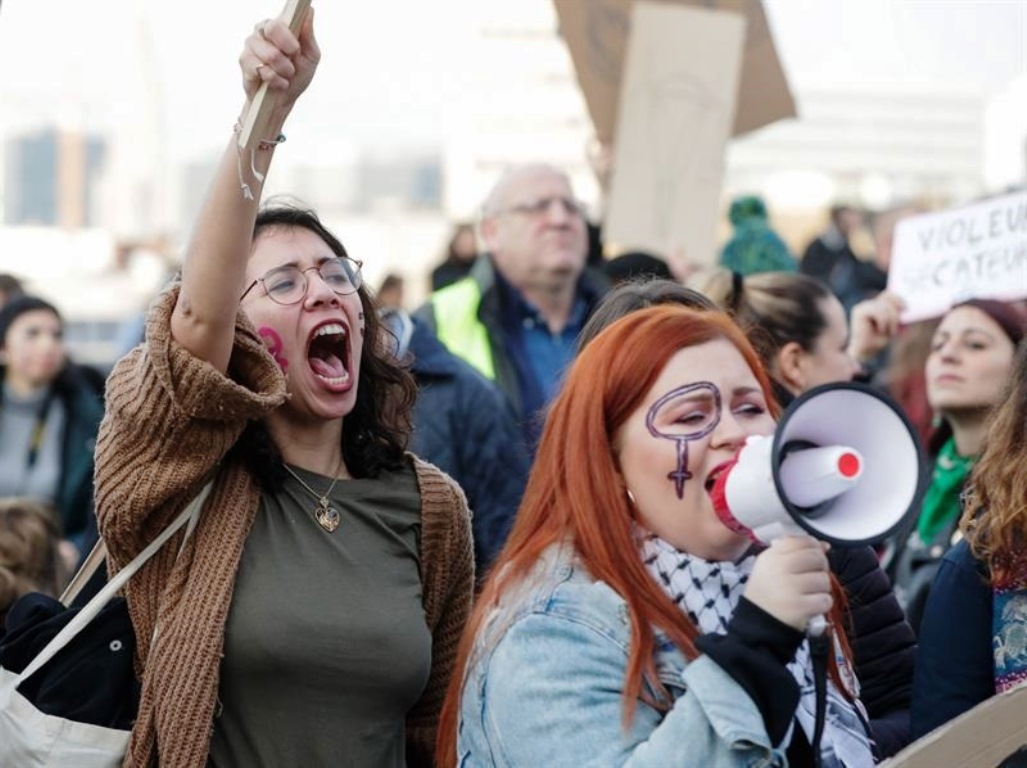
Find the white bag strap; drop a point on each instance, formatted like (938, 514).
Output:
(89, 611)
(95, 559)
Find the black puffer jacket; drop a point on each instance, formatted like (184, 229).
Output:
(883, 646)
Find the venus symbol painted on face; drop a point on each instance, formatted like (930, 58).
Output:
(699, 406)
(274, 346)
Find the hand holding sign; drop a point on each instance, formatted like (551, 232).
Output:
(278, 63)
(873, 324)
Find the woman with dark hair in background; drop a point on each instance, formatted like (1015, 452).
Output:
(967, 373)
(313, 615)
(799, 327)
(975, 620)
(49, 416)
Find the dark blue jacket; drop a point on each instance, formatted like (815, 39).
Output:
(955, 668)
(465, 426)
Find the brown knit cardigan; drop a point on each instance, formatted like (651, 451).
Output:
(171, 419)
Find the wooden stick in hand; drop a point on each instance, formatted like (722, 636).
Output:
(254, 122)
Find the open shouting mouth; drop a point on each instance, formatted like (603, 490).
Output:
(328, 354)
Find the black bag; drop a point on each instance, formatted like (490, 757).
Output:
(91, 680)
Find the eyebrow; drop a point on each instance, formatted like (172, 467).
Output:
(965, 332)
(705, 394)
(295, 262)
(746, 391)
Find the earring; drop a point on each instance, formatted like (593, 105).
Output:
(631, 497)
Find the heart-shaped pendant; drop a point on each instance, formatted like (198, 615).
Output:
(328, 518)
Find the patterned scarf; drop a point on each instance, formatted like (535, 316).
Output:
(1009, 625)
(707, 591)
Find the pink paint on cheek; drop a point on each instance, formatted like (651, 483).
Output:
(274, 346)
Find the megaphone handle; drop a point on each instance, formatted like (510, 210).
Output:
(817, 626)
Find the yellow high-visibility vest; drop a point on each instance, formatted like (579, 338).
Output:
(458, 327)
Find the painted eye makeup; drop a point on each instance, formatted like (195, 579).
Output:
(692, 420)
(684, 414)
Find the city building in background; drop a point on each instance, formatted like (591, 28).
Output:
(51, 178)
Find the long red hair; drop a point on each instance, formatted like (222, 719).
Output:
(575, 492)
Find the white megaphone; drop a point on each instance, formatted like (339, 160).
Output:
(844, 465)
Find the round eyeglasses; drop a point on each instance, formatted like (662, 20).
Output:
(288, 285)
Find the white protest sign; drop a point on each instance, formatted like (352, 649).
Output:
(979, 251)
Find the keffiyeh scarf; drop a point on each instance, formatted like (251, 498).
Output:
(708, 591)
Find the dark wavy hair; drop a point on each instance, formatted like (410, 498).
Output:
(378, 428)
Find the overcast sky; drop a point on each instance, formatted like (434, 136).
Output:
(393, 69)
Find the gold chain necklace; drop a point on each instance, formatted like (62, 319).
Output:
(327, 516)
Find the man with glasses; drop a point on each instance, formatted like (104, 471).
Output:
(517, 315)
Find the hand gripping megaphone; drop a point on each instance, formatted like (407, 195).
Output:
(844, 465)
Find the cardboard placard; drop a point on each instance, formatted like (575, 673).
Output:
(979, 251)
(596, 32)
(677, 104)
(985, 737)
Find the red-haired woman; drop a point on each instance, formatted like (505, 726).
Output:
(623, 624)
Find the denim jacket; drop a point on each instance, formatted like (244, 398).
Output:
(545, 687)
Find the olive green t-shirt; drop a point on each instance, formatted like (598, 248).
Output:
(326, 645)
